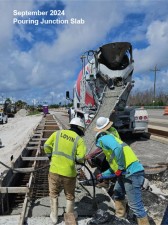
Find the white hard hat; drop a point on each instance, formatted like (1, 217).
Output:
(78, 122)
(103, 124)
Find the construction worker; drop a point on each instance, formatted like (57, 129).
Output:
(122, 160)
(64, 147)
(102, 123)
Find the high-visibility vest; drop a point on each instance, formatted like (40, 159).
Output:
(66, 147)
(129, 155)
(113, 131)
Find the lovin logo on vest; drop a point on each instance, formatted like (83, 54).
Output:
(68, 138)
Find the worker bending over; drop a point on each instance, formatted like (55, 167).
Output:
(102, 123)
(122, 159)
(64, 147)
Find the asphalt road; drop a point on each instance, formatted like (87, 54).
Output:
(157, 113)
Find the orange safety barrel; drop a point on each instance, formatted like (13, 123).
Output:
(165, 111)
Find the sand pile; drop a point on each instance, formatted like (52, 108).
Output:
(21, 112)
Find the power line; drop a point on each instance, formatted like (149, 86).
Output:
(155, 70)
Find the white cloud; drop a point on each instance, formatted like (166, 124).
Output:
(146, 82)
(156, 54)
(53, 66)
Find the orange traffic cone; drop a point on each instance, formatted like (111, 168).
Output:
(166, 111)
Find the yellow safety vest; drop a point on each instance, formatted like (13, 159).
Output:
(66, 147)
(113, 131)
(129, 155)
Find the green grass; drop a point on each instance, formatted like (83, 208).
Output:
(35, 112)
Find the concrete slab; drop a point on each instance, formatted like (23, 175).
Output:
(9, 220)
(161, 121)
(39, 211)
(47, 221)
(160, 128)
(160, 139)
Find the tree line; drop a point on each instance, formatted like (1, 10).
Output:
(147, 99)
(135, 99)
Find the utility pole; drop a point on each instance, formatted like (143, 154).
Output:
(154, 88)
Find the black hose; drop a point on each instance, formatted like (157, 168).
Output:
(95, 206)
(19, 171)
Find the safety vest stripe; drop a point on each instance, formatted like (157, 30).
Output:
(124, 144)
(113, 155)
(47, 146)
(63, 154)
(111, 158)
(56, 152)
(74, 147)
(56, 142)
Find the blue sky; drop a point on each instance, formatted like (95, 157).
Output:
(40, 62)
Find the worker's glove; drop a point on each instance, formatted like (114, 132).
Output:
(145, 185)
(87, 157)
(99, 176)
(118, 173)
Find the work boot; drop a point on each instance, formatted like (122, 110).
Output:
(143, 221)
(54, 210)
(120, 209)
(70, 208)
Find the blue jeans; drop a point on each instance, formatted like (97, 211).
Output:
(131, 186)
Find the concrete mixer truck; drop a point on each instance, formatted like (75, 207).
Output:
(103, 87)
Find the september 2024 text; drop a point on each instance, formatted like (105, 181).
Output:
(44, 17)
